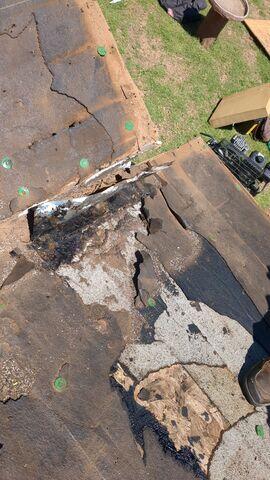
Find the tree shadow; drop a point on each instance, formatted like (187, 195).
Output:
(244, 127)
(260, 349)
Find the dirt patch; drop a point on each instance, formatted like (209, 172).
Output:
(151, 52)
(255, 12)
(250, 53)
(192, 109)
(176, 70)
(223, 77)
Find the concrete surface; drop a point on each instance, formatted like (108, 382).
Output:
(242, 454)
(220, 384)
(213, 342)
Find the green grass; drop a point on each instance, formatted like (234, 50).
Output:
(263, 200)
(181, 81)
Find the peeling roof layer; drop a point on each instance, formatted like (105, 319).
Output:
(130, 329)
(65, 110)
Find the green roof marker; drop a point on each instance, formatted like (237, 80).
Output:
(151, 302)
(23, 191)
(60, 384)
(102, 51)
(260, 431)
(84, 163)
(2, 306)
(129, 125)
(6, 162)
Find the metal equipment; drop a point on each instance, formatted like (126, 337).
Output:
(250, 170)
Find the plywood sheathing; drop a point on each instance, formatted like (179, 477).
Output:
(260, 29)
(171, 392)
(242, 106)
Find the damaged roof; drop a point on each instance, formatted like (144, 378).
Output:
(65, 110)
(132, 297)
(123, 338)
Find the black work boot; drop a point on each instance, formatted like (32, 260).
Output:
(256, 384)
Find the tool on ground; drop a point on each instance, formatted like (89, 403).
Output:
(256, 384)
(251, 171)
(262, 130)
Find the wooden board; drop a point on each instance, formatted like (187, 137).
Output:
(242, 106)
(261, 31)
(170, 390)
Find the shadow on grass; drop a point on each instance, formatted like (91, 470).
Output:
(190, 21)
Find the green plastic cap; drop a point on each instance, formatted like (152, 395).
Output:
(84, 163)
(151, 302)
(260, 431)
(129, 125)
(23, 191)
(101, 51)
(60, 383)
(6, 162)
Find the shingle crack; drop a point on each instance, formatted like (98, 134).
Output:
(68, 95)
(18, 34)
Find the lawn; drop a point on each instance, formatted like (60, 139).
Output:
(181, 81)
